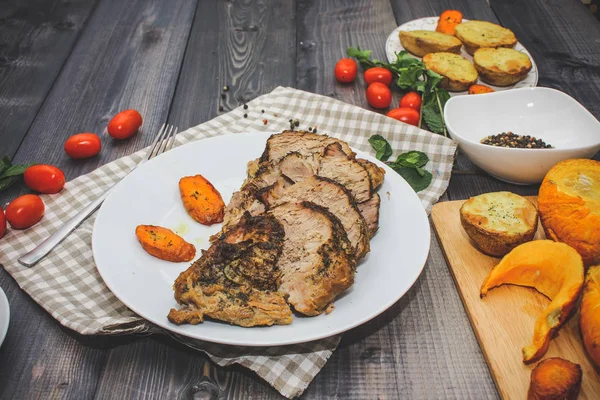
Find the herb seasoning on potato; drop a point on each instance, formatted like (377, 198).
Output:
(165, 244)
(201, 200)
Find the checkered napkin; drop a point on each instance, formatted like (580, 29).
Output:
(67, 284)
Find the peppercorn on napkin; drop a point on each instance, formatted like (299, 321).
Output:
(67, 284)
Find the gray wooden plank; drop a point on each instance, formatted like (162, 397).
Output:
(128, 56)
(248, 46)
(405, 11)
(36, 37)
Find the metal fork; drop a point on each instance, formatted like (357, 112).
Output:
(163, 142)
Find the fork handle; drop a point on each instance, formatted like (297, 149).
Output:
(35, 255)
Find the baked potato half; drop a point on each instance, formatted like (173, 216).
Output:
(498, 222)
(421, 42)
(477, 34)
(501, 66)
(458, 72)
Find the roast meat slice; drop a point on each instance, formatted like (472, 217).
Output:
(316, 262)
(335, 198)
(236, 279)
(305, 143)
(376, 174)
(241, 201)
(349, 173)
(370, 211)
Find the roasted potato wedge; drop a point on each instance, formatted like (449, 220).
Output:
(165, 244)
(421, 43)
(201, 200)
(477, 34)
(498, 222)
(501, 66)
(457, 71)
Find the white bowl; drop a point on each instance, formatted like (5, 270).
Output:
(544, 113)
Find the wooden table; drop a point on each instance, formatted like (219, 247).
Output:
(68, 66)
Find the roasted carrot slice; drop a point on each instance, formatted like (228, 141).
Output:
(201, 200)
(448, 21)
(480, 89)
(165, 244)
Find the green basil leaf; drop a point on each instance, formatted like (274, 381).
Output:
(4, 164)
(381, 146)
(412, 159)
(15, 170)
(413, 178)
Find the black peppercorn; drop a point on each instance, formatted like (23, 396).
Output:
(245, 115)
(245, 106)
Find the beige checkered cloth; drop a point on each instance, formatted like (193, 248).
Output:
(67, 284)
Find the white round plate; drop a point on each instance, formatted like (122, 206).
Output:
(393, 46)
(4, 315)
(150, 195)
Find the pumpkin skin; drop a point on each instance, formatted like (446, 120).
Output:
(555, 270)
(589, 321)
(569, 206)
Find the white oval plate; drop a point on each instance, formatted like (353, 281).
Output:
(4, 315)
(393, 46)
(150, 195)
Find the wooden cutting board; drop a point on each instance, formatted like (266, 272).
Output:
(503, 321)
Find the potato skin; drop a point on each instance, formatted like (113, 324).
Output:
(501, 66)
(165, 244)
(421, 43)
(494, 242)
(589, 320)
(555, 378)
(201, 200)
(458, 72)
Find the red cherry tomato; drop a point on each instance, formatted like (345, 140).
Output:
(25, 211)
(379, 95)
(83, 145)
(44, 178)
(125, 124)
(405, 114)
(412, 100)
(378, 74)
(2, 223)
(345, 70)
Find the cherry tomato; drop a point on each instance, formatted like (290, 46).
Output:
(2, 223)
(412, 100)
(345, 70)
(379, 95)
(83, 145)
(405, 114)
(44, 178)
(25, 211)
(125, 124)
(378, 74)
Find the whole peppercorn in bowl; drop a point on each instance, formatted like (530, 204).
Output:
(517, 135)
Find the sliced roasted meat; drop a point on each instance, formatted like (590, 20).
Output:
(297, 167)
(336, 199)
(316, 262)
(305, 143)
(376, 174)
(349, 173)
(370, 212)
(242, 201)
(236, 279)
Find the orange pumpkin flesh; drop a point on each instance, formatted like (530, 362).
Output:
(553, 269)
(590, 314)
(569, 206)
(555, 378)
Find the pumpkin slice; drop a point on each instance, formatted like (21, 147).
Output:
(553, 269)
(590, 314)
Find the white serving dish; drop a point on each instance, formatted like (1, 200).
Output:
(544, 113)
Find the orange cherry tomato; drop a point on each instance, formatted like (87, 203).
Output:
(44, 178)
(125, 124)
(83, 145)
(378, 74)
(379, 95)
(25, 211)
(405, 114)
(346, 70)
(412, 100)
(2, 223)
